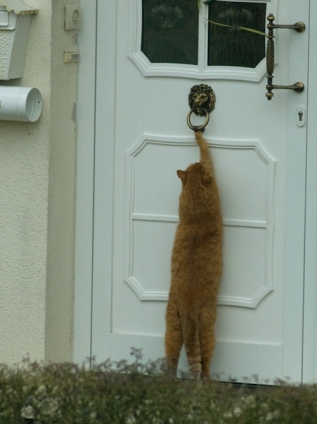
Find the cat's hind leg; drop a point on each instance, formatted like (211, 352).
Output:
(207, 343)
(192, 347)
(173, 337)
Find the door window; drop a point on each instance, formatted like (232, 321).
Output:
(170, 31)
(231, 40)
(185, 38)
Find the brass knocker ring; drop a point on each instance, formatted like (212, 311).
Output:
(200, 127)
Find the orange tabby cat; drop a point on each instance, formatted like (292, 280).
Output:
(196, 267)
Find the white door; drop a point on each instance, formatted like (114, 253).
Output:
(150, 53)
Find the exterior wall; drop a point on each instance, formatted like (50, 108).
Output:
(37, 173)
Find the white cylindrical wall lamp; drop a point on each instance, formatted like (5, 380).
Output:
(20, 104)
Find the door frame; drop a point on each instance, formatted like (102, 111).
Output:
(93, 249)
(94, 210)
(310, 291)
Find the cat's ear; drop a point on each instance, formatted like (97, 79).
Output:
(182, 175)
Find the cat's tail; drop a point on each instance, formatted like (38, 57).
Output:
(192, 346)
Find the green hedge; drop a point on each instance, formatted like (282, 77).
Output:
(134, 393)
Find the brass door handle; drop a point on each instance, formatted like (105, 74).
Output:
(298, 87)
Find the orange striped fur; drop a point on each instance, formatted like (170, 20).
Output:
(196, 267)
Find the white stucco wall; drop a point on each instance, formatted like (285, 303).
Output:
(37, 194)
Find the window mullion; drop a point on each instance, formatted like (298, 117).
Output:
(203, 38)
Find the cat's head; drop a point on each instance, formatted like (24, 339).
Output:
(198, 190)
(195, 175)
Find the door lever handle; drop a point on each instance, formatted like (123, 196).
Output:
(298, 87)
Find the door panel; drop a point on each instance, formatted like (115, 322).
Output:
(251, 145)
(242, 167)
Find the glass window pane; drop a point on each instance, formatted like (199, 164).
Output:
(230, 45)
(170, 31)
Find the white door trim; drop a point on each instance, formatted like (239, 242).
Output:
(103, 183)
(95, 149)
(93, 255)
(310, 293)
(295, 213)
(85, 183)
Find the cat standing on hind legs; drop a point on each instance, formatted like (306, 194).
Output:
(196, 267)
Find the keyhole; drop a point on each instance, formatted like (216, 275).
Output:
(300, 116)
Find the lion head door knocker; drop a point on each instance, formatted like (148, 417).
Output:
(202, 101)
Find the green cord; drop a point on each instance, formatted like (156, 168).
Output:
(254, 31)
